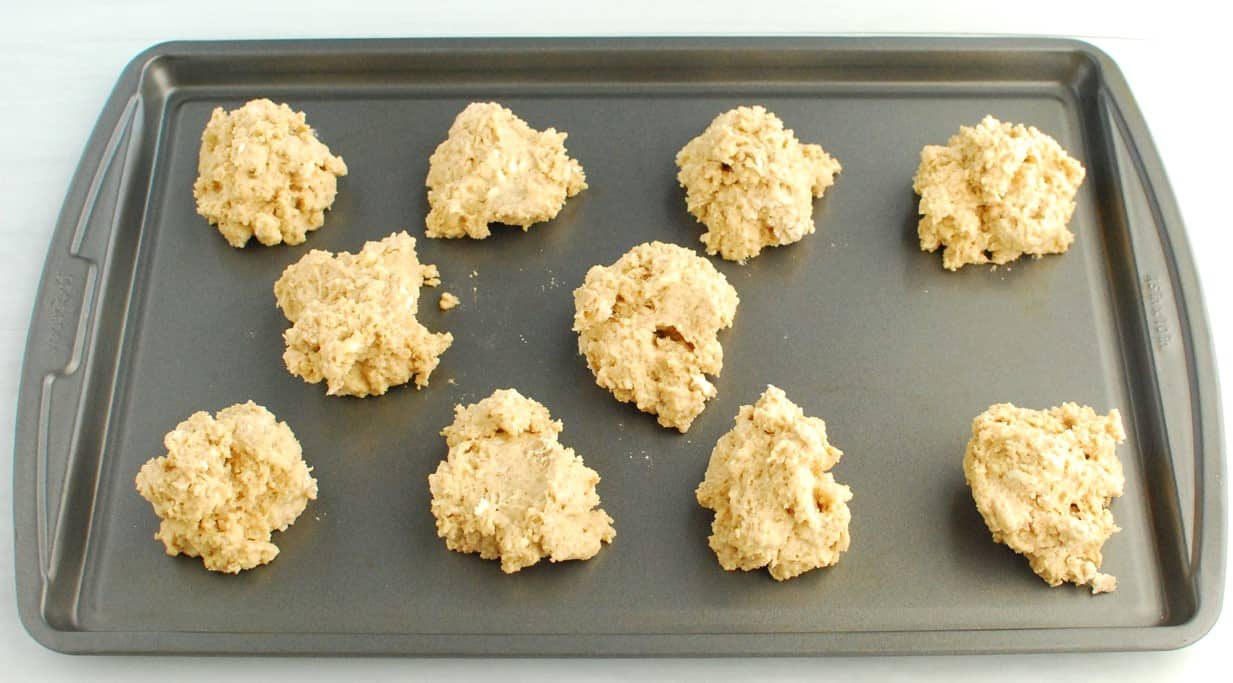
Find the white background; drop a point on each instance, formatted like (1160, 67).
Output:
(59, 60)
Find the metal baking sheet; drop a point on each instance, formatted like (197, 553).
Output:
(145, 315)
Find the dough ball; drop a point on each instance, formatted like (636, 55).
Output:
(648, 326)
(1043, 481)
(263, 173)
(494, 168)
(752, 183)
(995, 192)
(226, 483)
(509, 490)
(353, 318)
(775, 503)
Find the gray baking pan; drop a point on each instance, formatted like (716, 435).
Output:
(145, 315)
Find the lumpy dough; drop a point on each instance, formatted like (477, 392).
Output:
(995, 192)
(494, 168)
(226, 483)
(776, 504)
(752, 183)
(353, 318)
(509, 490)
(648, 326)
(263, 173)
(1043, 481)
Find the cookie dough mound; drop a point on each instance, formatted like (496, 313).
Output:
(353, 318)
(1043, 481)
(648, 326)
(509, 490)
(226, 483)
(995, 192)
(775, 503)
(752, 183)
(263, 173)
(494, 168)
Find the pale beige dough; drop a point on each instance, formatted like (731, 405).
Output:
(776, 504)
(353, 318)
(752, 183)
(995, 192)
(226, 483)
(494, 168)
(509, 490)
(648, 326)
(447, 301)
(1043, 481)
(263, 173)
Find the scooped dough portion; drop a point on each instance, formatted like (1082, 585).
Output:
(353, 318)
(263, 173)
(995, 192)
(1043, 480)
(226, 483)
(509, 490)
(494, 168)
(648, 326)
(752, 183)
(776, 504)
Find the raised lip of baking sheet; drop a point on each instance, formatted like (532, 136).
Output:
(52, 455)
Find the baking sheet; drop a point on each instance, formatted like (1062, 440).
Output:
(146, 315)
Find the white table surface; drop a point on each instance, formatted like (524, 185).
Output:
(59, 60)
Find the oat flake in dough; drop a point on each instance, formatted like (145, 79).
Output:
(752, 183)
(353, 318)
(509, 490)
(648, 326)
(494, 168)
(995, 192)
(776, 504)
(263, 173)
(1043, 481)
(226, 483)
